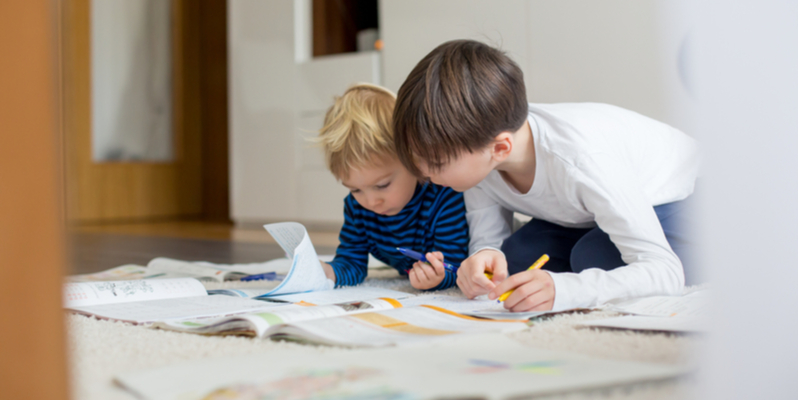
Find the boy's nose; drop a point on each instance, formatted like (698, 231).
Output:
(375, 201)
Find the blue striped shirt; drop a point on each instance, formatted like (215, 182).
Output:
(434, 220)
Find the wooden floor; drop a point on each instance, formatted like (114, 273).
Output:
(100, 247)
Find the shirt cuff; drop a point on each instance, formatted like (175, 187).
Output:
(569, 293)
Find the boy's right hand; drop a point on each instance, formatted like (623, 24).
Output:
(471, 275)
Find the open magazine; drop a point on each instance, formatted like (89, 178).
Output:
(370, 323)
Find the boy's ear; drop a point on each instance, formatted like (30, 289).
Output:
(501, 146)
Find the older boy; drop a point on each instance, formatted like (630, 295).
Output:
(387, 206)
(604, 185)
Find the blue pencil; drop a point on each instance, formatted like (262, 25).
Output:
(421, 257)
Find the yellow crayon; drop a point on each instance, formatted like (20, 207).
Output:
(538, 264)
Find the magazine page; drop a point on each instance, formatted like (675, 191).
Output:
(390, 327)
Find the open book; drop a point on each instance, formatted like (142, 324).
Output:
(345, 317)
(147, 301)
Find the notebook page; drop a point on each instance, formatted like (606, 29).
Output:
(78, 294)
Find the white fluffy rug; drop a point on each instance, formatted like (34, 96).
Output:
(101, 349)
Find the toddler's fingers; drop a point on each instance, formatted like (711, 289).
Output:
(434, 255)
(436, 260)
(426, 271)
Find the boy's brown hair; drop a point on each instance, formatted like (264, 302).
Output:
(458, 98)
(358, 129)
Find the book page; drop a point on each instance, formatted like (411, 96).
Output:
(391, 327)
(113, 292)
(176, 308)
(342, 295)
(306, 274)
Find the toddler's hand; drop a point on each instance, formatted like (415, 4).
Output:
(328, 271)
(428, 275)
(471, 275)
(533, 291)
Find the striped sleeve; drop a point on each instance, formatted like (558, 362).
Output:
(451, 234)
(350, 263)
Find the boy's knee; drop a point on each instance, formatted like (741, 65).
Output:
(595, 250)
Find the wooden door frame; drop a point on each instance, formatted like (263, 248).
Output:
(129, 190)
(32, 340)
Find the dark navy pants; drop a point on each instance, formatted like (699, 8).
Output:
(573, 250)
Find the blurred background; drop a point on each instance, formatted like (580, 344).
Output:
(202, 110)
(178, 127)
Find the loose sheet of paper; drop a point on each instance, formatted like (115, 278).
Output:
(454, 303)
(176, 309)
(113, 292)
(691, 305)
(643, 323)
(306, 274)
(479, 307)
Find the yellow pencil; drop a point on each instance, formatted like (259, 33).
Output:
(538, 264)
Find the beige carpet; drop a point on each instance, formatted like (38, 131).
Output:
(100, 349)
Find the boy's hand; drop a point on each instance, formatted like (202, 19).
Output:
(534, 290)
(471, 275)
(428, 275)
(328, 271)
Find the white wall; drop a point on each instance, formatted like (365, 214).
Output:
(410, 29)
(278, 98)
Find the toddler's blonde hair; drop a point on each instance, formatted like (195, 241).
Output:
(358, 128)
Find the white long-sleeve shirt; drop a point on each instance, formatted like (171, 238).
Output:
(596, 165)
